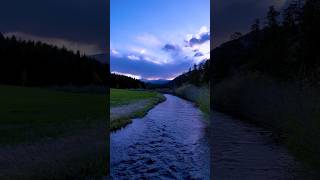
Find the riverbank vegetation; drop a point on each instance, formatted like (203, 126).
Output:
(194, 85)
(128, 104)
(270, 76)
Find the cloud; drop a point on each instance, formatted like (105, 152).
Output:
(171, 47)
(80, 21)
(133, 57)
(147, 69)
(84, 48)
(200, 38)
(198, 54)
(148, 40)
(115, 52)
(165, 61)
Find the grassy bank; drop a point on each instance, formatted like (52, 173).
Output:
(42, 120)
(198, 95)
(121, 98)
(291, 110)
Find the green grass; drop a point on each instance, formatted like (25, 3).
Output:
(121, 96)
(29, 114)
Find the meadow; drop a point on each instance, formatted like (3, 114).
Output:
(30, 114)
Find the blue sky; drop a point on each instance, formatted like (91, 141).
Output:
(158, 39)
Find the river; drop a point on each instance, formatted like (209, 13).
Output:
(173, 142)
(244, 151)
(170, 142)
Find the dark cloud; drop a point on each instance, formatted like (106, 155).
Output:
(171, 47)
(147, 69)
(198, 54)
(83, 21)
(203, 38)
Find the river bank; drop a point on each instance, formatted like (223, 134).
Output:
(129, 104)
(199, 95)
(289, 110)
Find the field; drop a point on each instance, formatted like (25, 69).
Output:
(29, 114)
(128, 104)
(120, 97)
(47, 133)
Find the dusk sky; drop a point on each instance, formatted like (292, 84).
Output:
(149, 38)
(158, 39)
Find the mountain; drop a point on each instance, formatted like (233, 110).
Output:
(156, 82)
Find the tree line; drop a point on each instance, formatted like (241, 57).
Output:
(29, 63)
(197, 75)
(284, 46)
(124, 82)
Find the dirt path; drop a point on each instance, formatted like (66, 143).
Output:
(126, 110)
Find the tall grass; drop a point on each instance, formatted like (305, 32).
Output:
(199, 95)
(292, 110)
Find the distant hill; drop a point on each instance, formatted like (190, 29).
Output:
(156, 82)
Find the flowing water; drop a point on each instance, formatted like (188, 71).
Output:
(170, 142)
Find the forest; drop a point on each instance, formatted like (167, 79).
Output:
(124, 82)
(282, 47)
(29, 63)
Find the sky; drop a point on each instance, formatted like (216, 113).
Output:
(75, 24)
(150, 39)
(158, 39)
